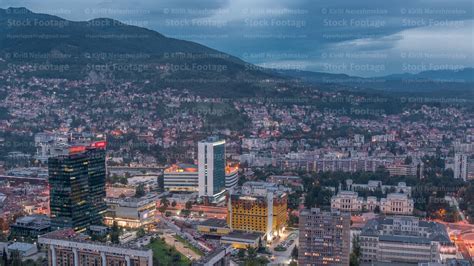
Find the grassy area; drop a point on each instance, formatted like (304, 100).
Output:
(280, 248)
(166, 255)
(188, 245)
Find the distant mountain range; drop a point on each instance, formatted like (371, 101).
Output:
(436, 79)
(103, 49)
(461, 75)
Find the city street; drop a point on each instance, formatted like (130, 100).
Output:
(464, 237)
(283, 257)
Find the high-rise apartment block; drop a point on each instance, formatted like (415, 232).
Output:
(460, 166)
(324, 238)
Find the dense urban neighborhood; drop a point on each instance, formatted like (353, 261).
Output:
(118, 155)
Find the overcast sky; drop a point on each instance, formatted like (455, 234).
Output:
(357, 37)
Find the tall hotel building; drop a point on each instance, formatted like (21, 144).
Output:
(324, 238)
(211, 165)
(258, 207)
(77, 186)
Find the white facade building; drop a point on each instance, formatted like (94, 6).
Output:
(347, 201)
(394, 203)
(460, 166)
(181, 177)
(404, 239)
(397, 203)
(211, 167)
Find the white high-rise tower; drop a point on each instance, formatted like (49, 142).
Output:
(211, 164)
(460, 166)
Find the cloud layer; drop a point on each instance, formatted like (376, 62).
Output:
(366, 37)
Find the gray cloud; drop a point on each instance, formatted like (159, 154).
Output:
(282, 32)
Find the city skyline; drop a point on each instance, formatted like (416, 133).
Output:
(250, 133)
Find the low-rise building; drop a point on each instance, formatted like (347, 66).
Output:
(219, 257)
(394, 203)
(30, 226)
(23, 249)
(404, 239)
(377, 185)
(215, 227)
(287, 180)
(65, 247)
(181, 177)
(149, 180)
(242, 240)
(131, 212)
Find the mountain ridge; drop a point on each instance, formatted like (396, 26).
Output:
(111, 50)
(108, 49)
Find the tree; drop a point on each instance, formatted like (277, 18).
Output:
(185, 212)
(15, 258)
(293, 220)
(260, 244)
(162, 209)
(115, 233)
(99, 237)
(241, 253)
(293, 201)
(353, 260)
(141, 232)
(161, 183)
(173, 204)
(251, 253)
(355, 254)
(5, 257)
(294, 253)
(123, 181)
(176, 257)
(188, 205)
(140, 191)
(164, 201)
(377, 209)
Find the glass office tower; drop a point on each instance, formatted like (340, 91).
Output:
(77, 188)
(97, 173)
